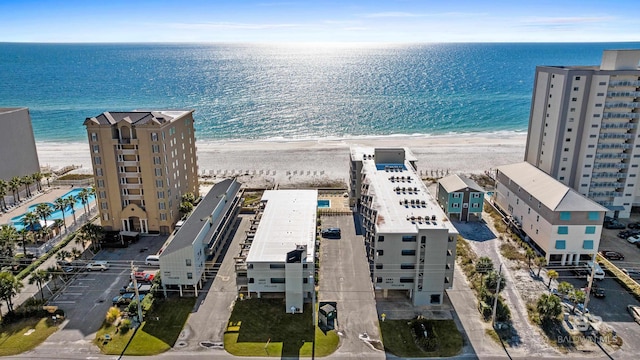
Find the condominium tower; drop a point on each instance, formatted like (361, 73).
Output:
(143, 162)
(17, 144)
(583, 128)
(410, 243)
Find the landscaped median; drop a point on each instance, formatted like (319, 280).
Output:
(157, 334)
(261, 327)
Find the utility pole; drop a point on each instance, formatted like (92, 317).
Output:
(495, 299)
(135, 289)
(590, 284)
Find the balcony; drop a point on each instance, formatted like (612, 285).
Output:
(613, 156)
(616, 175)
(131, 186)
(618, 125)
(624, 115)
(622, 105)
(133, 197)
(615, 146)
(625, 83)
(610, 166)
(605, 193)
(633, 94)
(608, 185)
(616, 136)
(129, 163)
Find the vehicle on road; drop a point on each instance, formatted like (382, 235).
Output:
(614, 225)
(611, 255)
(626, 233)
(597, 291)
(152, 260)
(635, 312)
(129, 288)
(331, 233)
(633, 273)
(98, 265)
(144, 276)
(634, 225)
(633, 239)
(126, 298)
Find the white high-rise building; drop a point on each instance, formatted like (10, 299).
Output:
(583, 128)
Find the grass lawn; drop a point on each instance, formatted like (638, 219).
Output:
(14, 341)
(254, 322)
(158, 333)
(397, 339)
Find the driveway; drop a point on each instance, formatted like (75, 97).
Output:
(345, 279)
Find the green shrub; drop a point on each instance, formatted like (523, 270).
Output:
(125, 325)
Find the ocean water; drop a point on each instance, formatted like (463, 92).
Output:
(255, 91)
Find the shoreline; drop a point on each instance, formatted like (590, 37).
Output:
(264, 163)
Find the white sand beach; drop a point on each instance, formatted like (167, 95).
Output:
(321, 162)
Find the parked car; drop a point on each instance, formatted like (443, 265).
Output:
(626, 233)
(129, 288)
(611, 255)
(331, 233)
(614, 225)
(98, 265)
(633, 239)
(597, 291)
(143, 276)
(126, 298)
(635, 312)
(633, 273)
(581, 271)
(634, 225)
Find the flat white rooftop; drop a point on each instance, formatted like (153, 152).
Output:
(288, 219)
(403, 202)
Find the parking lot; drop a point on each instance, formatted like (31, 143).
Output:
(88, 294)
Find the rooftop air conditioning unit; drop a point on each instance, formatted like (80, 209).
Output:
(433, 217)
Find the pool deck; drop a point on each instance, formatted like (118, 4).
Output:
(338, 203)
(47, 195)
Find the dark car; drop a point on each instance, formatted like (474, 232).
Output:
(626, 233)
(634, 225)
(614, 225)
(597, 291)
(611, 255)
(581, 272)
(331, 233)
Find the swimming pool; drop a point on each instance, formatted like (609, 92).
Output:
(57, 214)
(324, 204)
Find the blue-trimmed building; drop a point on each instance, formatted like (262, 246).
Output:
(461, 197)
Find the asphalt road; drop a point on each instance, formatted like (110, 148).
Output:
(345, 279)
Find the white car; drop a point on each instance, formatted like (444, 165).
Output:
(97, 265)
(633, 239)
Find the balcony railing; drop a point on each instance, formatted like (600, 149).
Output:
(622, 105)
(618, 125)
(610, 166)
(615, 146)
(613, 156)
(605, 193)
(607, 184)
(624, 83)
(633, 94)
(616, 136)
(625, 115)
(616, 175)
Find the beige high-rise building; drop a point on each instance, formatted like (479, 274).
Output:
(143, 162)
(583, 128)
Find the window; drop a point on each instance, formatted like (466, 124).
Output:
(104, 206)
(94, 137)
(407, 266)
(154, 136)
(576, 88)
(598, 105)
(380, 252)
(476, 195)
(379, 280)
(577, 77)
(456, 195)
(537, 218)
(189, 275)
(160, 194)
(277, 280)
(102, 194)
(380, 238)
(156, 160)
(602, 83)
(587, 244)
(96, 149)
(574, 99)
(187, 262)
(408, 238)
(251, 281)
(155, 148)
(276, 266)
(590, 230)
(99, 172)
(406, 280)
(561, 244)
(565, 215)
(100, 183)
(408, 252)
(97, 160)
(162, 206)
(435, 299)
(159, 183)
(158, 172)
(379, 266)
(594, 215)
(163, 216)
(455, 205)
(563, 230)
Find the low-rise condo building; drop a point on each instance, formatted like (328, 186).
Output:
(563, 225)
(410, 243)
(278, 256)
(16, 138)
(143, 162)
(583, 128)
(461, 197)
(200, 242)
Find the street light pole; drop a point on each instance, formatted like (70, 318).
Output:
(495, 299)
(135, 289)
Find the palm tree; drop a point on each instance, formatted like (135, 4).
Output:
(27, 181)
(3, 192)
(8, 237)
(61, 204)
(83, 195)
(57, 224)
(37, 178)
(26, 235)
(44, 210)
(62, 255)
(71, 201)
(92, 233)
(31, 223)
(549, 307)
(552, 274)
(90, 192)
(577, 296)
(76, 253)
(564, 288)
(530, 254)
(540, 262)
(10, 286)
(14, 185)
(39, 278)
(484, 265)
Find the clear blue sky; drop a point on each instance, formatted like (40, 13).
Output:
(397, 21)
